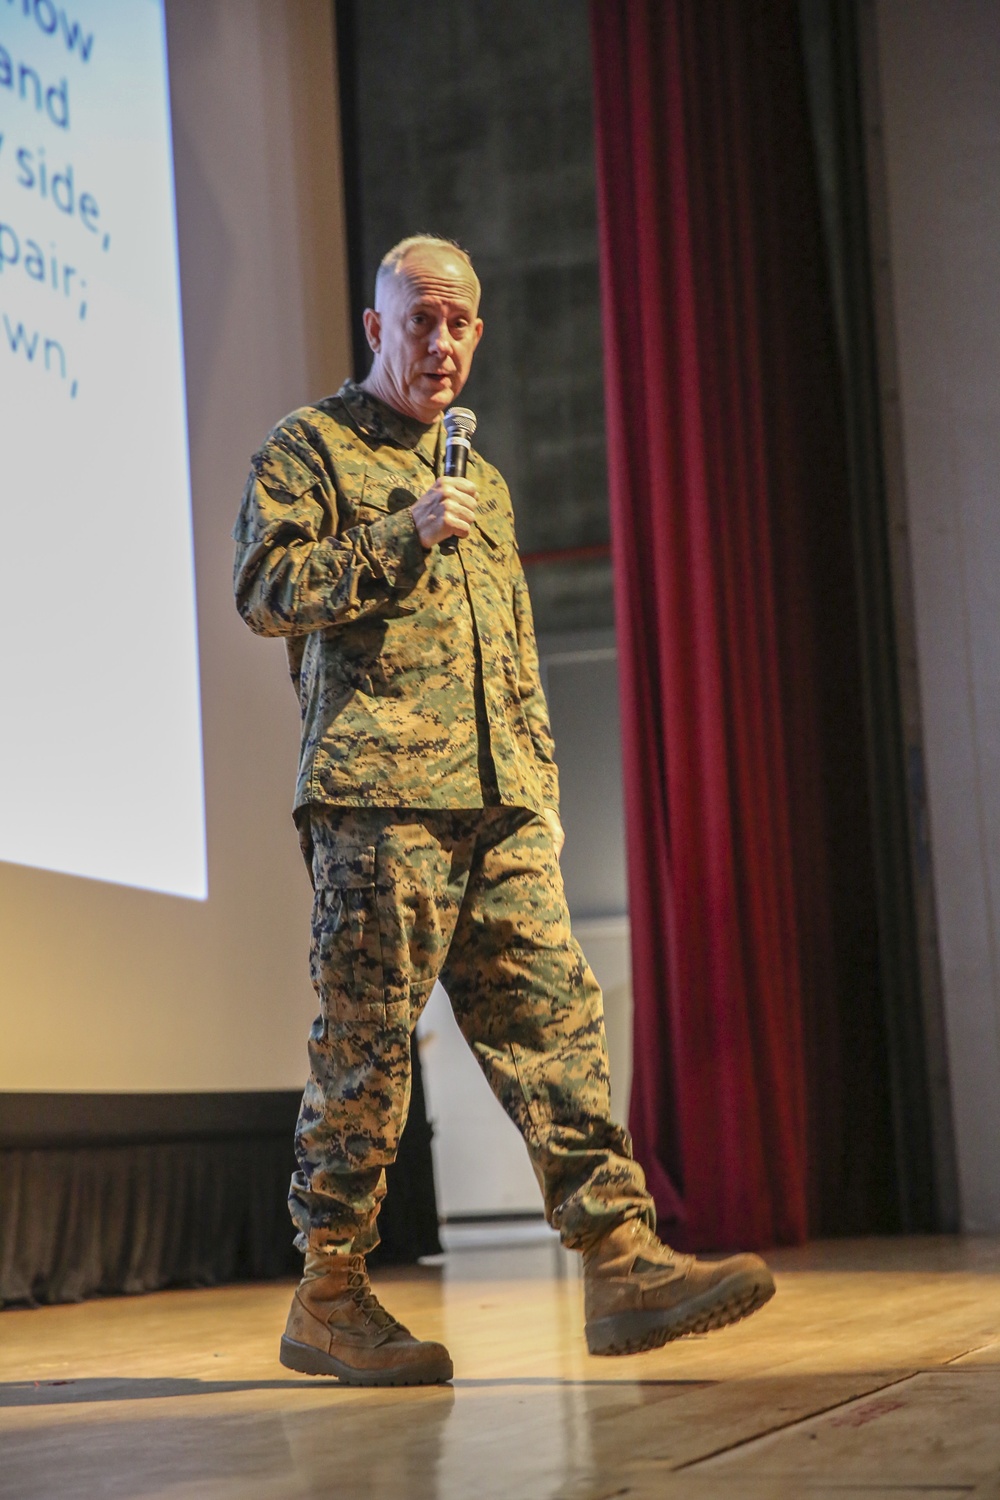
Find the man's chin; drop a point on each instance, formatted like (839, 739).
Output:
(436, 401)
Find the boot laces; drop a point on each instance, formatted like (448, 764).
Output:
(364, 1298)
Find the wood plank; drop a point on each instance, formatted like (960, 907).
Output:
(937, 1428)
(985, 1354)
(180, 1394)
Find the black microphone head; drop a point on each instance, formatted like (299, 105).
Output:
(459, 422)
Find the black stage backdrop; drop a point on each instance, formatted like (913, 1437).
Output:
(111, 1193)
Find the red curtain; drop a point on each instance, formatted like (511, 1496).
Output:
(726, 467)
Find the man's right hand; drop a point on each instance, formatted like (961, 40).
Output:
(446, 509)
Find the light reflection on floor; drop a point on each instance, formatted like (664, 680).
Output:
(875, 1371)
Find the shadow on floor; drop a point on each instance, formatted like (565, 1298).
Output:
(113, 1388)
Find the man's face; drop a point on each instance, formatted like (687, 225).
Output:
(424, 332)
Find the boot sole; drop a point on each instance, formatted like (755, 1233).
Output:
(308, 1360)
(635, 1332)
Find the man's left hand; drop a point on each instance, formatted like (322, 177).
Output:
(555, 828)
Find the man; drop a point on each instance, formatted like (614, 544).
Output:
(427, 804)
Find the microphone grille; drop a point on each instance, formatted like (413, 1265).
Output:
(459, 421)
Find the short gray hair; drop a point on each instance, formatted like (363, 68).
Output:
(393, 259)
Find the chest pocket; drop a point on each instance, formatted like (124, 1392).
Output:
(381, 496)
(496, 531)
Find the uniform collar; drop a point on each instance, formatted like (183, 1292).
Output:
(383, 424)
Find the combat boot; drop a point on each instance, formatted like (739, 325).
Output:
(337, 1326)
(638, 1293)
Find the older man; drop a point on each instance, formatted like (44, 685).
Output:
(427, 806)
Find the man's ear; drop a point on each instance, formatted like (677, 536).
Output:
(373, 328)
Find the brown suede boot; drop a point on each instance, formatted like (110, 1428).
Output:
(638, 1293)
(337, 1326)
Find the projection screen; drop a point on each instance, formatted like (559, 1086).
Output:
(99, 665)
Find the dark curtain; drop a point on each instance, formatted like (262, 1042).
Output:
(105, 1194)
(909, 975)
(759, 1104)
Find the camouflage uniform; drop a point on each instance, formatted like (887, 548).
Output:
(426, 762)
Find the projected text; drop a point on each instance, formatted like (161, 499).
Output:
(104, 720)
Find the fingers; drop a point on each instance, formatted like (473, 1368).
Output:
(458, 511)
(446, 509)
(458, 503)
(461, 486)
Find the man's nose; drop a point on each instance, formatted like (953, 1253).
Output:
(442, 339)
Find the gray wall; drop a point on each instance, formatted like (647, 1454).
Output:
(938, 77)
(580, 674)
(499, 155)
(475, 122)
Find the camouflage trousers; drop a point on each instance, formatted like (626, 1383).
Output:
(475, 898)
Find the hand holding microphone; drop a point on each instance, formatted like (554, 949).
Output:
(445, 512)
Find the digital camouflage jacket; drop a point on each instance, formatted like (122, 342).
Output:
(384, 639)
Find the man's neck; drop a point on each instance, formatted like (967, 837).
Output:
(372, 385)
(380, 421)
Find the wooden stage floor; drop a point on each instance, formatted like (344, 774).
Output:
(874, 1372)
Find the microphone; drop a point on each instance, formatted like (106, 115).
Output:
(459, 425)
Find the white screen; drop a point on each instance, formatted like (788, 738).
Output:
(100, 738)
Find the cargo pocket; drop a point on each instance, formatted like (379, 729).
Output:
(347, 941)
(360, 900)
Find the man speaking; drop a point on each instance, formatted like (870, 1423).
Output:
(427, 807)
